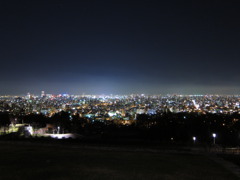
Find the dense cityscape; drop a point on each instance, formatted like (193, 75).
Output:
(174, 118)
(110, 107)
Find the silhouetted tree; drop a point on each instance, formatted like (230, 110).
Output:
(4, 121)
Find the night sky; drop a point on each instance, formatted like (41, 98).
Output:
(119, 47)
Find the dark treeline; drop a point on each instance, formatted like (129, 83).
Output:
(164, 127)
(182, 127)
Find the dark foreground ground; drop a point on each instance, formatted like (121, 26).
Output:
(38, 162)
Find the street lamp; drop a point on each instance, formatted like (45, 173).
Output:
(194, 139)
(214, 137)
(58, 129)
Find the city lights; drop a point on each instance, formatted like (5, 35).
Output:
(145, 111)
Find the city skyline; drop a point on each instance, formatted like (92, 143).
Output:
(122, 47)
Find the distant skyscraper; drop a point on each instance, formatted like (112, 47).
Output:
(42, 94)
(28, 96)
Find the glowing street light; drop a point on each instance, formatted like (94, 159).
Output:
(214, 137)
(194, 139)
(58, 129)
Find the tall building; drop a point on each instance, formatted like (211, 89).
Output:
(28, 96)
(42, 94)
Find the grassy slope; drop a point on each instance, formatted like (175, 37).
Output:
(55, 162)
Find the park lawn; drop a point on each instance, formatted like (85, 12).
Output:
(38, 162)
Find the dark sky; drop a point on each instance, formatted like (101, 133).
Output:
(117, 47)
